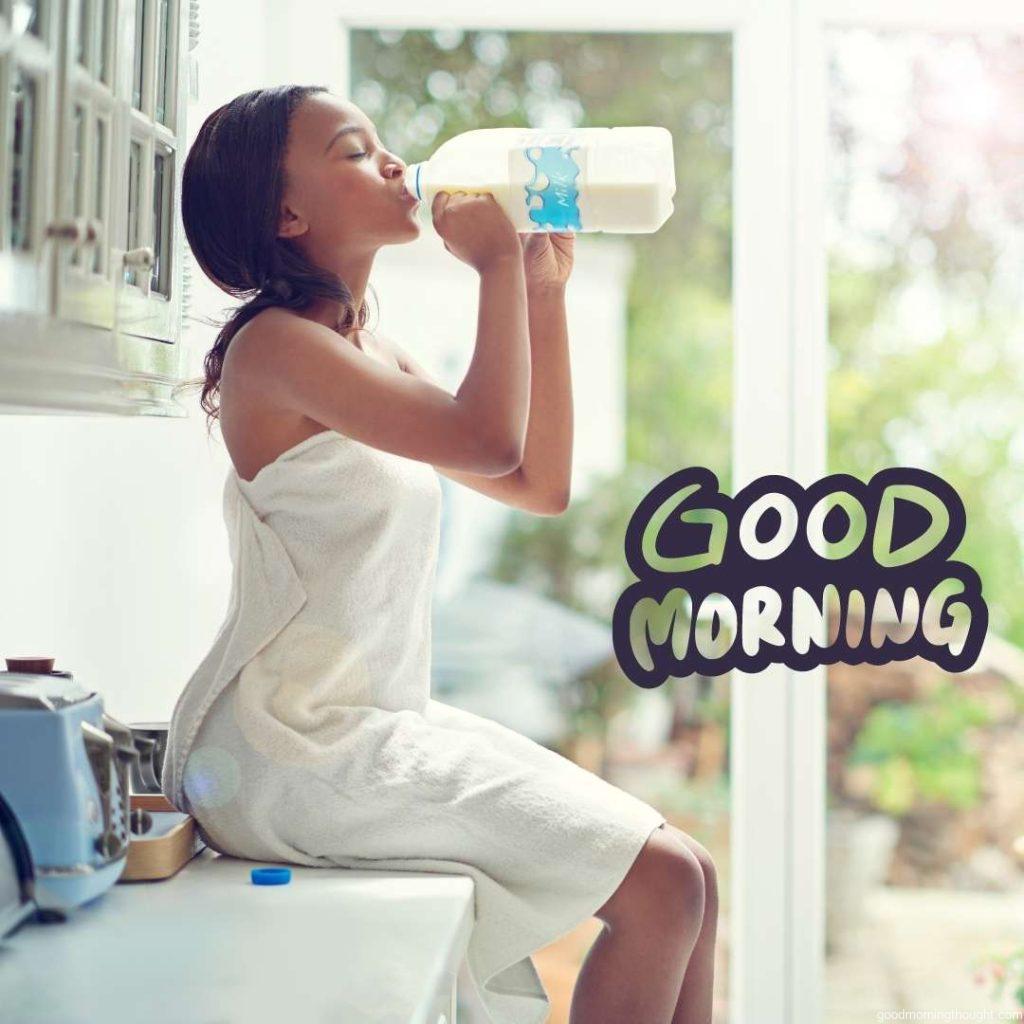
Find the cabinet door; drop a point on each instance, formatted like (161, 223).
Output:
(87, 147)
(149, 297)
(120, 140)
(29, 61)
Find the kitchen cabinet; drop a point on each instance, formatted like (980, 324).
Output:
(93, 97)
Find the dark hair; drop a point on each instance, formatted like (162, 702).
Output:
(232, 182)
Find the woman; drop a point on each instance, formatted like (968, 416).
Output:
(308, 734)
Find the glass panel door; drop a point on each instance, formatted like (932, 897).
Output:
(926, 815)
(651, 339)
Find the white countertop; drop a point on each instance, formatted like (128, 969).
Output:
(207, 946)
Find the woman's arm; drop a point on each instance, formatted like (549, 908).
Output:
(541, 483)
(297, 365)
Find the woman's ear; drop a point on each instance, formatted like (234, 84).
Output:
(290, 224)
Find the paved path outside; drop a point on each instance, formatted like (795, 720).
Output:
(914, 952)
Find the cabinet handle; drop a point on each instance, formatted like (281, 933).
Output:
(139, 257)
(142, 258)
(73, 231)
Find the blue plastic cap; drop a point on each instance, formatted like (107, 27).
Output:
(271, 876)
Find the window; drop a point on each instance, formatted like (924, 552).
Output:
(140, 49)
(25, 17)
(101, 173)
(132, 222)
(77, 170)
(163, 47)
(163, 180)
(100, 37)
(23, 164)
(81, 47)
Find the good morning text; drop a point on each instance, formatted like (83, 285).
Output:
(746, 581)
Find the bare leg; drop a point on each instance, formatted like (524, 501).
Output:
(634, 969)
(695, 995)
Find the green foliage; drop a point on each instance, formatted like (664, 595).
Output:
(920, 751)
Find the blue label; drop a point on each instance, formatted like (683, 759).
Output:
(558, 209)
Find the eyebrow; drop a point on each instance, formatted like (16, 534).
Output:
(343, 131)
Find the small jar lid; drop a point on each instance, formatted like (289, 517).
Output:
(35, 664)
(271, 876)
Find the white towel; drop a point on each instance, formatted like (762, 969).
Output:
(308, 733)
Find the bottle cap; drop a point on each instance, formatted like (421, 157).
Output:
(271, 876)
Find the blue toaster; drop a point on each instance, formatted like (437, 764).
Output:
(65, 767)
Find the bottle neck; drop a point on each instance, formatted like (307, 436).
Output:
(414, 180)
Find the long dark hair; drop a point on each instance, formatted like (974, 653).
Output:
(232, 183)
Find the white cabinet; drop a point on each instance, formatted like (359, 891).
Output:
(92, 99)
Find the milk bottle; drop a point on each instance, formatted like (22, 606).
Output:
(580, 179)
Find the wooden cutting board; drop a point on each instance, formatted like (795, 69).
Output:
(172, 841)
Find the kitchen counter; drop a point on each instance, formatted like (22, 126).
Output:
(333, 946)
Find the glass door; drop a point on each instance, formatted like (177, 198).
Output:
(650, 323)
(925, 838)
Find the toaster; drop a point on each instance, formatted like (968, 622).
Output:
(65, 770)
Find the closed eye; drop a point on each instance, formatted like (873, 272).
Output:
(353, 156)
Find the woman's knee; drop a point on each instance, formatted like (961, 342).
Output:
(666, 879)
(706, 862)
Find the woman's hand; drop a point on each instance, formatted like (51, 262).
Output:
(547, 259)
(474, 227)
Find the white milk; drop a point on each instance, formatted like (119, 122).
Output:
(582, 179)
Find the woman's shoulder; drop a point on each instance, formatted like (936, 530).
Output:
(268, 328)
(257, 349)
(269, 320)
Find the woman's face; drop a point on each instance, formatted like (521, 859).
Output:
(343, 189)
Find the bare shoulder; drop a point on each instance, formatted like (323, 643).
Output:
(294, 366)
(255, 340)
(278, 346)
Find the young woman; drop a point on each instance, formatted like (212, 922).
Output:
(308, 733)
